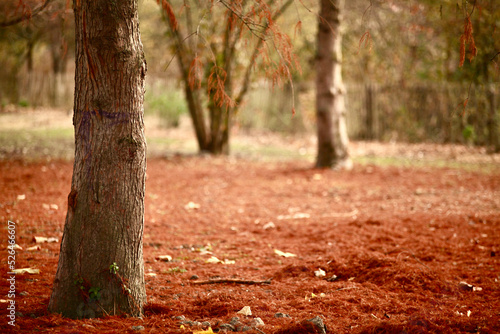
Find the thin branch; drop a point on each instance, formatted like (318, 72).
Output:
(368, 9)
(258, 330)
(177, 52)
(250, 25)
(232, 281)
(253, 58)
(493, 58)
(466, 101)
(473, 8)
(25, 16)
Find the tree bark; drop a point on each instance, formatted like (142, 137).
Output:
(101, 270)
(330, 105)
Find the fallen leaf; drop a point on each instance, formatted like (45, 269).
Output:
(192, 206)
(208, 331)
(269, 226)
(40, 240)
(166, 258)
(257, 322)
(465, 286)
(320, 272)
(313, 295)
(284, 254)
(204, 249)
(298, 215)
(245, 311)
(213, 259)
(317, 177)
(26, 270)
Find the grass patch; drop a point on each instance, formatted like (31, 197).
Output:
(167, 103)
(268, 152)
(481, 167)
(33, 144)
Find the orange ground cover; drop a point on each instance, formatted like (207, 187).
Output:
(394, 245)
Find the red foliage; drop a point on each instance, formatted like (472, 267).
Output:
(467, 38)
(167, 8)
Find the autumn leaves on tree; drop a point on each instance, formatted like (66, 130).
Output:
(218, 46)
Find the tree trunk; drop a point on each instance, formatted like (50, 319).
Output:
(101, 270)
(330, 105)
(219, 129)
(197, 116)
(492, 122)
(211, 121)
(192, 93)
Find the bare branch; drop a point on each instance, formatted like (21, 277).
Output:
(250, 24)
(493, 58)
(253, 58)
(25, 16)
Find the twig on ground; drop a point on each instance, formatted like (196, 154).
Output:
(258, 330)
(234, 281)
(339, 215)
(347, 288)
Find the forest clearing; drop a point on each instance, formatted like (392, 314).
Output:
(385, 248)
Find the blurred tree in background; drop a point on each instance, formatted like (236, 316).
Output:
(35, 36)
(408, 56)
(401, 65)
(418, 41)
(330, 91)
(217, 46)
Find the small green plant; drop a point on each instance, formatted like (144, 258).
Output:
(113, 269)
(168, 104)
(23, 103)
(95, 293)
(469, 134)
(176, 270)
(78, 281)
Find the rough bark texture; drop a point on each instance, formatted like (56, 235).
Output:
(105, 218)
(330, 105)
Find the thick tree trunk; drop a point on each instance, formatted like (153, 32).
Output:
(330, 105)
(101, 269)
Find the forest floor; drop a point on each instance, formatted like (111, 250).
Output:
(406, 242)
